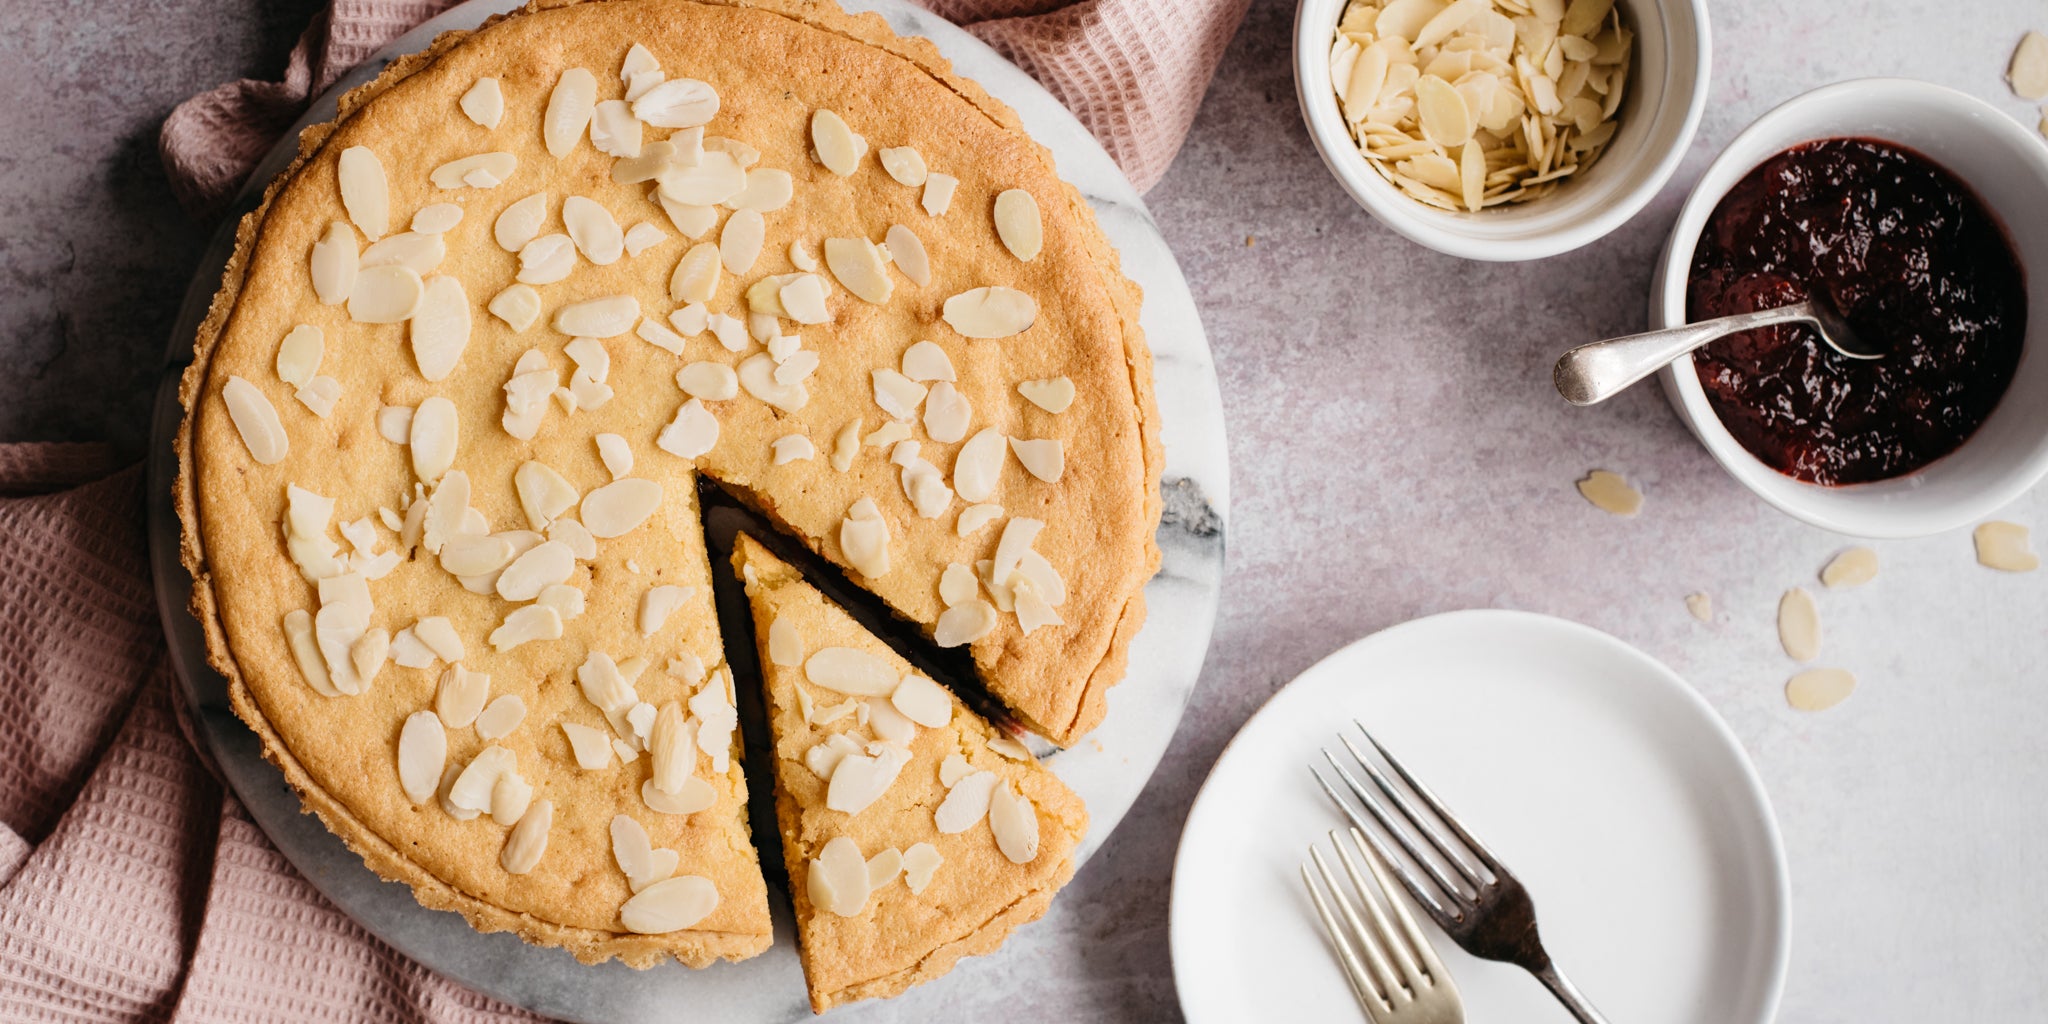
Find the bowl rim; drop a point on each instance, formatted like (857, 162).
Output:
(1681, 384)
(1411, 220)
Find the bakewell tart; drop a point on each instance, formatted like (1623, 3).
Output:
(915, 832)
(471, 356)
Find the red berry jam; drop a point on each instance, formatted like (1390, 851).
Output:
(1914, 261)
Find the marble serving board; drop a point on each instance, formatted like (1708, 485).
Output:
(1108, 768)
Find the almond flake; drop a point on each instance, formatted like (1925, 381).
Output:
(1054, 395)
(1018, 224)
(547, 259)
(858, 266)
(613, 129)
(365, 194)
(1610, 493)
(712, 382)
(677, 103)
(567, 601)
(747, 155)
(570, 105)
(436, 218)
(627, 755)
(592, 228)
(658, 603)
(957, 584)
(947, 414)
(618, 507)
(500, 717)
(920, 862)
(837, 879)
(845, 446)
(966, 804)
(1818, 689)
(883, 868)
(528, 839)
(888, 724)
(2002, 546)
(991, 312)
(642, 237)
(1701, 606)
(938, 193)
(525, 625)
(591, 748)
(757, 374)
(803, 299)
(791, 448)
(923, 701)
(421, 252)
(591, 355)
(510, 798)
(670, 906)
(395, 423)
(319, 395)
(964, 623)
(255, 419)
(484, 103)
(638, 860)
(543, 566)
(899, 396)
(1852, 568)
(739, 243)
(1799, 625)
(696, 795)
(653, 333)
(1032, 610)
(904, 164)
(713, 179)
(861, 779)
(974, 517)
(520, 222)
(432, 438)
(384, 295)
(440, 327)
(767, 190)
(606, 317)
(422, 756)
(484, 170)
(1015, 823)
(473, 787)
(1009, 747)
(864, 539)
(692, 433)
(978, 466)
(465, 555)
(924, 361)
(616, 454)
(850, 671)
(696, 275)
(1044, 459)
(835, 144)
(2028, 72)
(673, 747)
(334, 264)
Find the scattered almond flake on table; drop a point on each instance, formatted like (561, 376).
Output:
(1818, 689)
(2028, 71)
(1799, 625)
(1610, 492)
(2005, 547)
(1701, 606)
(1852, 568)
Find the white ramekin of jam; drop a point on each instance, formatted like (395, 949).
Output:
(1924, 213)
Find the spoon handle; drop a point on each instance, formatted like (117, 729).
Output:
(1600, 370)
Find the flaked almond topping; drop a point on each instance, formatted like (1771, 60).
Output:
(739, 242)
(1799, 625)
(421, 252)
(673, 747)
(440, 326)
(593, 229)
(978, 466)
(545, 260)
(520, 223)
(334, 264)
(712, 382)
(964, 623)
(385, 295)
(636, 856)
(692, 220)
(2002, 546)
(904, 164)
(791, 448)
(858, 265)
(365, 194)
(899, 396)
(642, 237)
(923, 701)
(484, 170)
(1043, 458)
(1852, 568)
(947, 414)
(693, 432)
(255, 419)
(473, 788)
(1033, 611)
(957, 583)
(501, 716)
(845, 446)
(467, 555)
(837, 879)
(677, 103)
(484, 103)
(966, 804)
(526, 625)
(926, 488)
(864, 539)
(1818, 689)
(658, 603)
(785, 647)
(757, 376)
(991, 312)
(1044, 579)
(953, 769)
(908, 253)
(1054, 395)
(616, 454)
(938, 193)
(589, 354)
(1018, 224)
(544, 566)
(920, 863)
(613, 129)
(861, 779)
(670, 906)
(767, 190)
(422, 756)
(696, 274)
(850, 671)
(591, 747)
(448, 777)
(1009, 747)
(638, 61)
(437, 634)
(1015, 823)
(299, 354)
(570, 106)
(576, 536)
(526, 394)
(618, 507)
(510, 799)
(696, 795)
(713, 179)
(306, 517)
(447, 508)
(974, 517)
(802, 298)
(343, 618)
(652, 332)
(436, 218)
(1610, 493)
(432, 438)
(747, 155)
(883, 868)
(731, 333)
(395, 423)
(606, 317)
(835, 144)
(823, 758)
(796, 367)
(528, 839)
(604, 685)
(627, 755)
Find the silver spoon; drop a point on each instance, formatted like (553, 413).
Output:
(1598, 371)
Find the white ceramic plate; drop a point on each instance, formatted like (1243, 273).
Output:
(1595, 773)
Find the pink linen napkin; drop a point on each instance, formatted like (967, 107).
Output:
(1133, 71)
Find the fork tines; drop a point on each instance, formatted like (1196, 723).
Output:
(1392, 969)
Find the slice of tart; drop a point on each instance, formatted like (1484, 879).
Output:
(915, 832)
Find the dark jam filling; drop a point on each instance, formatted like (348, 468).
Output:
(1914, 261)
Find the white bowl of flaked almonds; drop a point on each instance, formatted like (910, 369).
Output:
(1501, 129)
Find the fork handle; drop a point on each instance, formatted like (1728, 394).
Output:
(1569, 995)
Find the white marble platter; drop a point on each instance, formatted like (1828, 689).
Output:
(1108, 768)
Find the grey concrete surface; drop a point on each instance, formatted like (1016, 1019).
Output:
(1397, 451)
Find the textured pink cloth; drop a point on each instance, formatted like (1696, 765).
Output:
(1133, 71)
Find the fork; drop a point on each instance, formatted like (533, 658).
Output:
(1488, 915)
(1399, 980)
